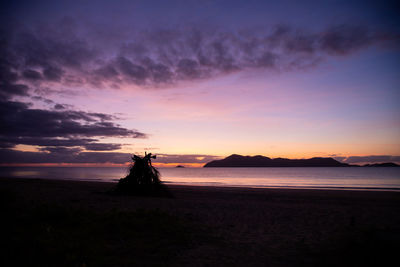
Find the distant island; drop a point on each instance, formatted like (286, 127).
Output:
(261, 161)
(180, 166)
(387, 164)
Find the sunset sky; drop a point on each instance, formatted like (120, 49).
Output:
(192, 81)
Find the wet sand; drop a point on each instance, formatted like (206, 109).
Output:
(242, 226)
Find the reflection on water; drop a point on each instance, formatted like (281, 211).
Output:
(352, 177)
(288, 177)
(23, 173)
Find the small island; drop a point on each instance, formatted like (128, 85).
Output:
(180, 166)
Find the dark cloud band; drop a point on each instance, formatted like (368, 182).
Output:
(54, 129)
(162, 57)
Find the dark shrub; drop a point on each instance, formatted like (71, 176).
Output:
(143, 178)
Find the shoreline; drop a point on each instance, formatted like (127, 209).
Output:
(205, 186)
(54, 188)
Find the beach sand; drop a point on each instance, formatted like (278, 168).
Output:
(71, 223)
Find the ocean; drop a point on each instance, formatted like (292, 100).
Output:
(363, 178)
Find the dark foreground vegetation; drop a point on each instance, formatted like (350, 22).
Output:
(143, 179)
(62, 223)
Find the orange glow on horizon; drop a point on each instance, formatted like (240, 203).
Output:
(126, 164)
(172, 165)
(65, 164)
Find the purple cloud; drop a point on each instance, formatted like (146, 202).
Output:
(369, 159)
(58, 129)
(162, 57)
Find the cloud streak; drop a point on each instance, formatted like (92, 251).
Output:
(75, 155)
(61, 155)
(58, 129)
(369, 159)
(166, 56)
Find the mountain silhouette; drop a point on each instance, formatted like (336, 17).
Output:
(261, 161)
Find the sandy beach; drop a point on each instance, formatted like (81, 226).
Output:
(70, 223)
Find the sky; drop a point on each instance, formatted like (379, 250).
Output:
(92, 82)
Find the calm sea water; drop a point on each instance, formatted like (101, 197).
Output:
(351, 177)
